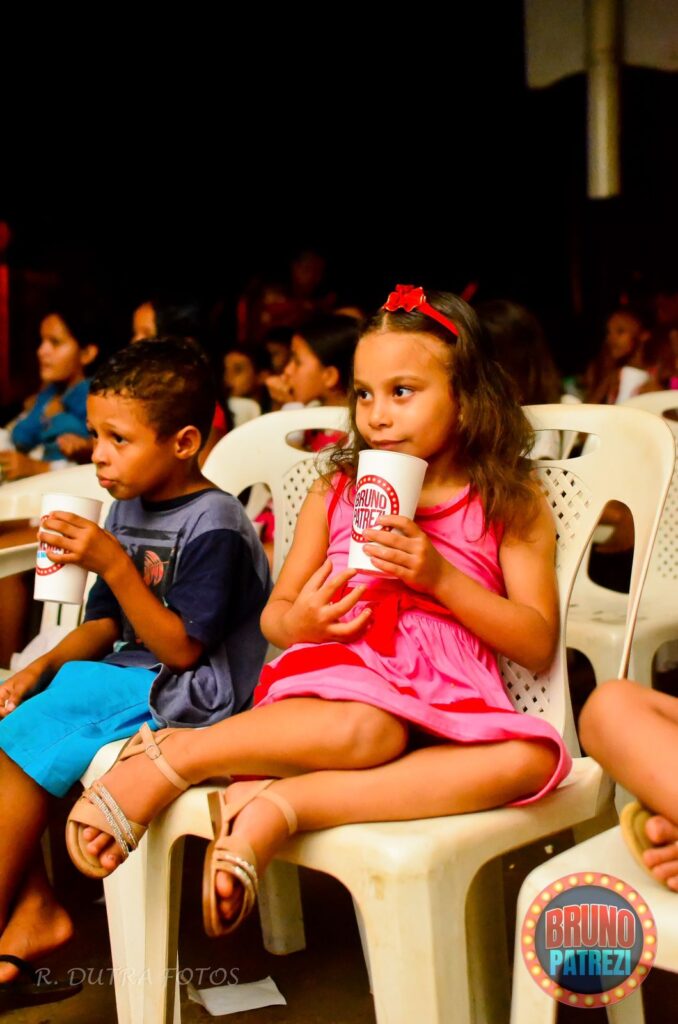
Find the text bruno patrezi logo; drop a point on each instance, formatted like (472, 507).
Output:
(374, 497)
(589, 940)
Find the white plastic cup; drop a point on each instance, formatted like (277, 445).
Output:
(55, 582)
(387, 484)
(631, 379)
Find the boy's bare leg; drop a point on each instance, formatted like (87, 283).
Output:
(437, 780)
(31, 922)
(297, 735)
(15, 601)
(633, 732)
(38, 924)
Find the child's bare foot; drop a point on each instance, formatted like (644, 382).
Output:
(38, 926)
(663, 858)
(261, 824)
(142, 791)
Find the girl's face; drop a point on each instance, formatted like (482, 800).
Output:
(305, 375)
(239, 375)
(404, 400)
(144, 327)
(60, 358)
(624, 335)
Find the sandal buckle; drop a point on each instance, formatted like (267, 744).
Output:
(153, 751)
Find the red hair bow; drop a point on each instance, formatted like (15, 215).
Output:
(406, 297)
(409, 298)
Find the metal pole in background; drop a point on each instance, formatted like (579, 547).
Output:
(603, 36)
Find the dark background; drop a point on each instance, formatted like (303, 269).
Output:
(196, 153)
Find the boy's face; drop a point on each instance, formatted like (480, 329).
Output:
(130, 460)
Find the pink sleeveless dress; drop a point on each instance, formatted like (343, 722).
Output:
(416, 661)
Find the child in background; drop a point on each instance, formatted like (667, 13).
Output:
(246, 370)
(627, 341)
(171, 630)
(521, 350)
(387, 703)
(319, 369)
(317, 373)
(49, 435)
(632, 731)
(56, 419)
(173, 317)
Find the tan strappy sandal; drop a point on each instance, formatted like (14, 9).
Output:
(235, 856)
(98, 808)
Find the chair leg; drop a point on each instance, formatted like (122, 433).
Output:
(605, 661)
(162, 906)
(528, 1002)
(642, 659)
(594, 826)
(124, 895)
(280, 910)
(363, 941)
(629, 1011)
(488, 960)
(433, 985)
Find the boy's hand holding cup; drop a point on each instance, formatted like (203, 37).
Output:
(54, 580)
(387, 484)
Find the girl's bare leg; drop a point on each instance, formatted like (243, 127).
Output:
(31, 922)
(425, 783)
(301, 734)
(633, 732)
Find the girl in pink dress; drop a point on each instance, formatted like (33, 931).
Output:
(387, 703)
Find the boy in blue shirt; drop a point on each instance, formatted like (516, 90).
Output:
(171, 632)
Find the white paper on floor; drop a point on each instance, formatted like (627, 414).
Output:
(233, 998)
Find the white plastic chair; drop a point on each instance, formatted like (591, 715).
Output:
(597, 620)
(414, 881)
(607, 854)
(243, 410)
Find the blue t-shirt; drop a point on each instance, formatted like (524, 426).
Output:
(36, 428)
(201, 557)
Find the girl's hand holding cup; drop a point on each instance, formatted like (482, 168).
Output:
(398, 547)
(316, 618)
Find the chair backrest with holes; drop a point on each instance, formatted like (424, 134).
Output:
(257, 452)
(663, 571)
(576, 489)
(631, 462)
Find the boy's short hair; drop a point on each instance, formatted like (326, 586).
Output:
(171, 376)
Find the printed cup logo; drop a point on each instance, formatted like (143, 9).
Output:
(374, 497)
(43, 565)
(589, 940)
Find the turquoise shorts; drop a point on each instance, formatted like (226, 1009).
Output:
(54, 735)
